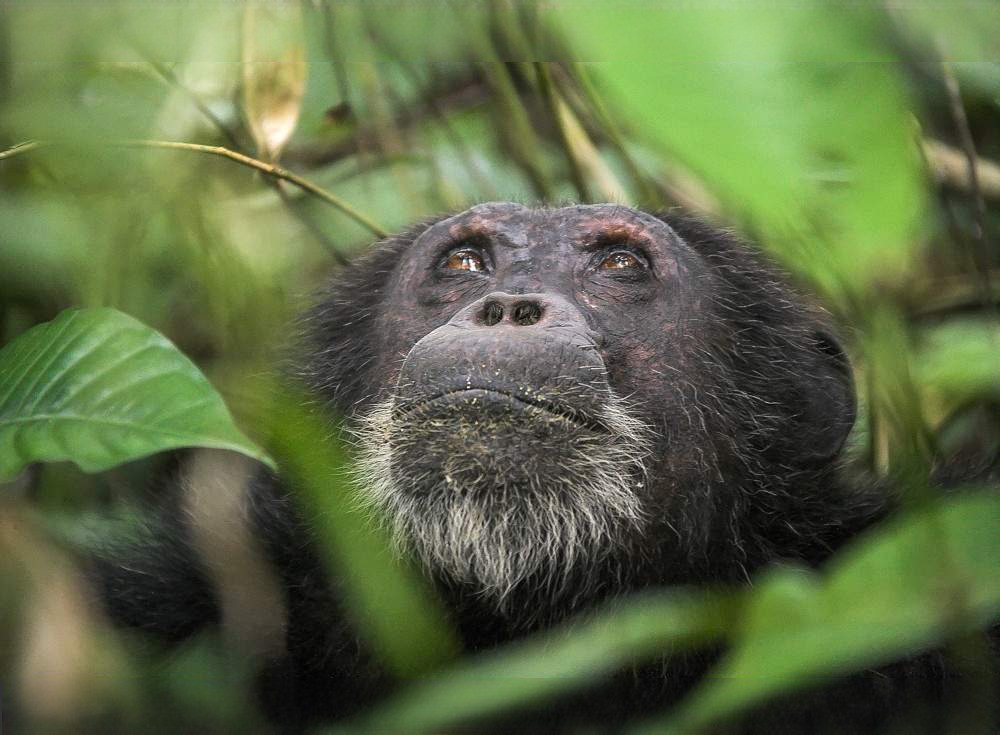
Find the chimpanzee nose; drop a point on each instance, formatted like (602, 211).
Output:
(519, 311)
(498, 316)
(515, 344)
(502, 309)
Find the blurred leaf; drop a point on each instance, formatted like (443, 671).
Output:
(768, 106)
(959, 360)
(561, 660)
(204, 688)
(390, 603)
(274, 73)
(99, 388)
(417, 31)
(960, 30)
(884, 598)
(43, 248)
(65, 667)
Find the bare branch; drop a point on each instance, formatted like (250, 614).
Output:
(950, 166)
(272, 170)
(19, 149)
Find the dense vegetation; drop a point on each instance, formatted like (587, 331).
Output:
(185, 173)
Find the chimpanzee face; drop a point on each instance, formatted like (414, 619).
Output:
(542, 390)
(583, 296)
(517, 343)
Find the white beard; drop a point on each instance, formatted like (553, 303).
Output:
(467, 522)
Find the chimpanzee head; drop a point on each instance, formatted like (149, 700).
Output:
(537, 391)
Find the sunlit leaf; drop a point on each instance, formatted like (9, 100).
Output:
(960, 360)
(274, 73)
(390, 603)
(98, 388)
(769, 106)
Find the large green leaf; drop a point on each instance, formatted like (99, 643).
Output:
(99, 388)
(958, 360)
(392, 605)
(561, 660)
(928, 576)
(770, 107)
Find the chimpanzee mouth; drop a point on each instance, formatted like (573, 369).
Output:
(494, 399)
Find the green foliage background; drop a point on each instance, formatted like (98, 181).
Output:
(200, 166)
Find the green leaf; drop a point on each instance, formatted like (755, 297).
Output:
(392, 605)
(770, 107)
(98, 388)
(957, 361)
(561, 660)
(922, 579)
(960, 30)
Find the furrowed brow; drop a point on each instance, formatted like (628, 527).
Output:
(602, 234)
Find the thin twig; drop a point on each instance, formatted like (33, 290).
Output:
(950, 166)
(969, 149)
(306, 221)
(268, 169)
(437, 112)
(168, 77)
(551, 97)
(650, 193)
(968, 145)
(589, 159)
(20, 148)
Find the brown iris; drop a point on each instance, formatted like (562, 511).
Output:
(465, 260)
(620, 259)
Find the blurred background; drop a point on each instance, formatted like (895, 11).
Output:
(202, 166)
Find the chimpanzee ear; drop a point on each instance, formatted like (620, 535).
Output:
(829, 403)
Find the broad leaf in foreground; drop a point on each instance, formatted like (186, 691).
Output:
(98, 388)
(392, 606)
(785, 112)
(564, 659)
(919, 582)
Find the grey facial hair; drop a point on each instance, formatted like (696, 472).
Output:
(491, 539)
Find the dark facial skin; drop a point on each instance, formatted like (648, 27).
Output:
(607, 290)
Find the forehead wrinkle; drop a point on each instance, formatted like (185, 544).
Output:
(592, 229)
(460, 228)
(602, 232)
(517, 226)
(612, 212)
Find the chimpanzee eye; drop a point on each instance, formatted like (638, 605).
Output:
(621, 259)
(464, 260)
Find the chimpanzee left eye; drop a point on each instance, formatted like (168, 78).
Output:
(621, 259)
(464, 260)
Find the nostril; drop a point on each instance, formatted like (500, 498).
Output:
(492, 313)
(526, 314)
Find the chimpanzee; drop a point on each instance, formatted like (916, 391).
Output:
(554, 407)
